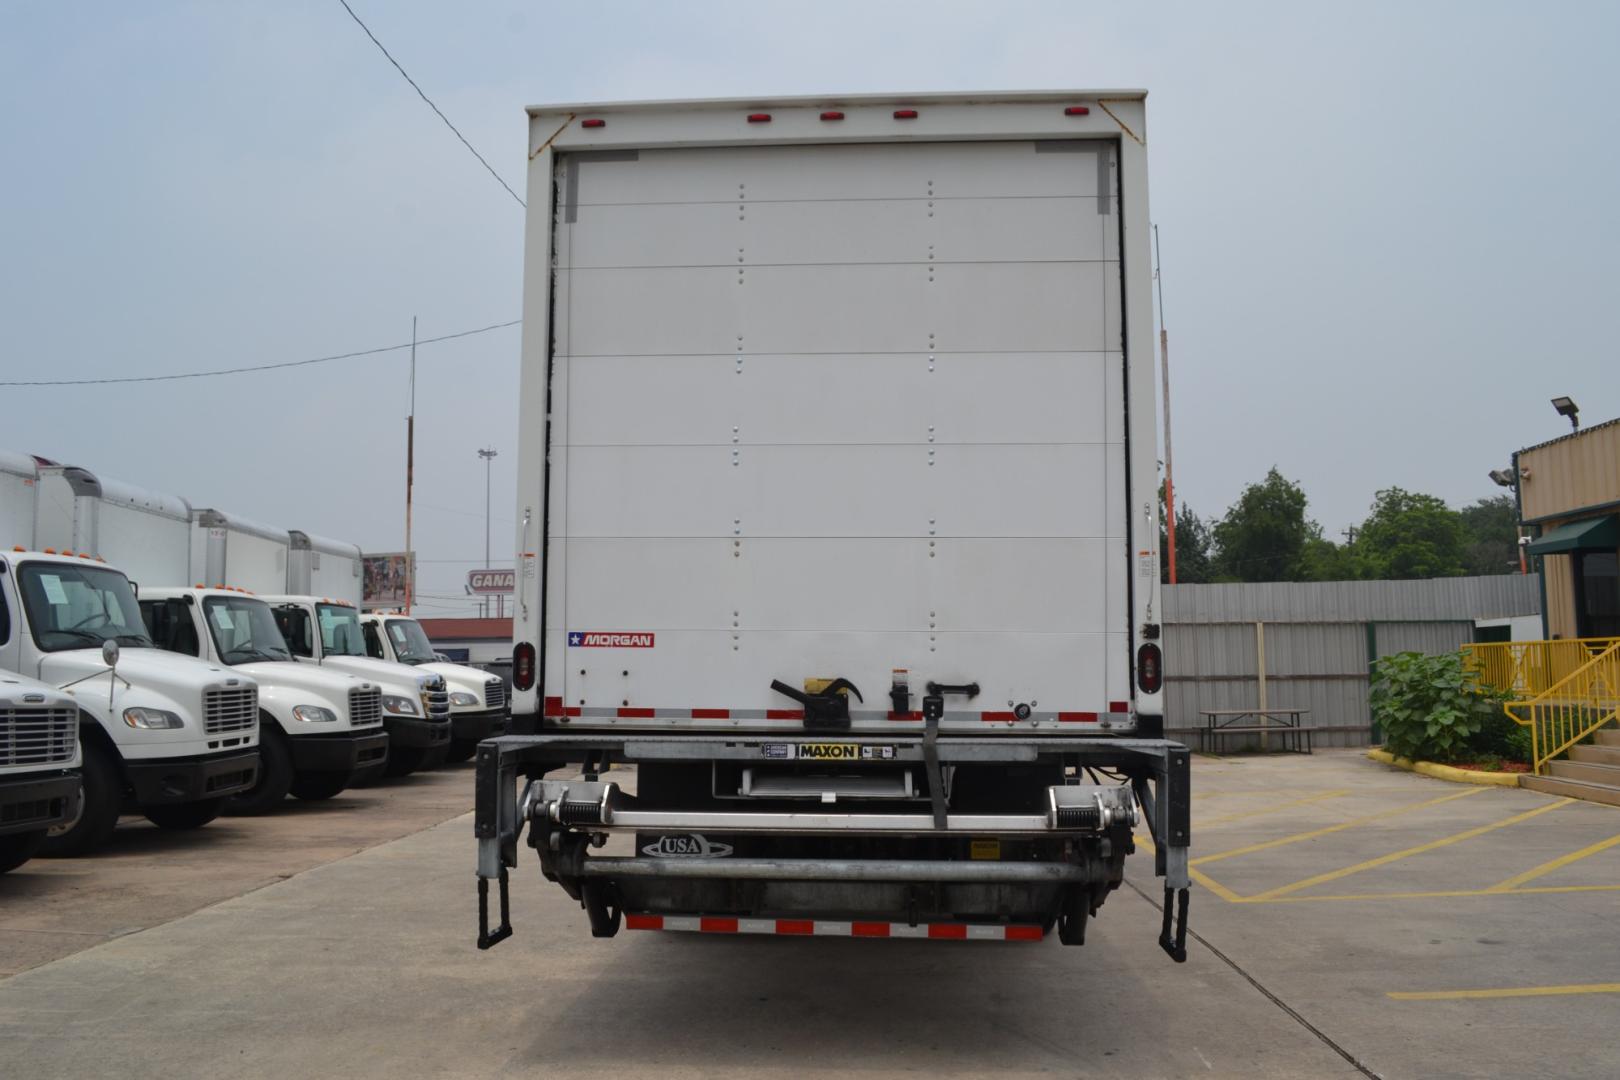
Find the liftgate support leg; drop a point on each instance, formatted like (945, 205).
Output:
(495, 824)
(1174, 818)
(485, 938)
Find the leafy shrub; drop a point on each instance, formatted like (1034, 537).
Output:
(1434, 708)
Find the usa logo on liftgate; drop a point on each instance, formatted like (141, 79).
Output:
(609, 639)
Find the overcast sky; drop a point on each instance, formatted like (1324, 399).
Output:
(1389, 232)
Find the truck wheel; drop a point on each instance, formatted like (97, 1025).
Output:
(275, 774)
(98, 807)
(461, 750)
(19, 848)
(186, 815)
(314, 786)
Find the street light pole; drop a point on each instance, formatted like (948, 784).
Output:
(489, 461)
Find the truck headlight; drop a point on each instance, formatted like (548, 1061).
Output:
(313, 714)
(400, 706)
(463, 699)
(152, 719)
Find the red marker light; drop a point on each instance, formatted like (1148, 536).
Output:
(759, 118)
(1077, 110)
(905, 114)
(593, 123)
(832, 115)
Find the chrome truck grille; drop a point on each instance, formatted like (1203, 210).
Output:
(230, 708)
(436, 698)
(365, 706)
(38, 735)
(494, 694)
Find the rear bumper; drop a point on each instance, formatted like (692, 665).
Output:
(477, 726)
(183, 780)
(345, 751)
(31, 803)
(403, 731)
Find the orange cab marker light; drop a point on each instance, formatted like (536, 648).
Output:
(18, 547)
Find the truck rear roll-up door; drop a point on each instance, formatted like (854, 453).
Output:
(838, 410)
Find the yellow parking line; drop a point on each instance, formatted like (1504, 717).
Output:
(1383, 860)
(1508, 992)
(1314, 833)
(1554, 864)
(1537, 890)
(1203, 879)
(1270, 809)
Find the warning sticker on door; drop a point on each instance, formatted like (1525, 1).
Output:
(609, 639)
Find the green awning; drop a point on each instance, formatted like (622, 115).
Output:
(1593, 534)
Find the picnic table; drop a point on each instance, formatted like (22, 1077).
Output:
(1287, 722)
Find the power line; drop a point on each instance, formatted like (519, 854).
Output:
(430, 104)
(256, 367)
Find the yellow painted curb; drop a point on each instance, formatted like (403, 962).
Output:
(1446, 772)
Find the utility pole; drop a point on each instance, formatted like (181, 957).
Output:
(410, 476)
(489, 461)
(1169, 468)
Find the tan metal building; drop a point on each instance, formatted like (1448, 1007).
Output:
(1569, 498)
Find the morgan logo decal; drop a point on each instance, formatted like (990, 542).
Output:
(686, 846)
(609, 639)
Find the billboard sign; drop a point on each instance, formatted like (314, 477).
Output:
(383, 579)
(491, 582)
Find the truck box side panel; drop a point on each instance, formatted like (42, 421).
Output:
(835, 410)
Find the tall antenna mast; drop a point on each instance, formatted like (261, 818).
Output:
(1169, 468)
(410, 471)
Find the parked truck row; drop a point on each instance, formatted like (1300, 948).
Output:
(142, 673)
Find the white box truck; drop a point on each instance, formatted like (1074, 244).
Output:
(318, 566)
(837, 519)
(416, 704)
(146, 534)
(478, 700)
(166, 736)
(227, 549)
(320, 730)
(39, 765)
(19, 487)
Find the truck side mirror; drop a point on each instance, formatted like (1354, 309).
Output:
(109, 653)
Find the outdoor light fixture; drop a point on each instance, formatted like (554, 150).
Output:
(1567, 407)
(1503, 477)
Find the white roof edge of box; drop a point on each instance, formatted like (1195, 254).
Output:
(989, 97)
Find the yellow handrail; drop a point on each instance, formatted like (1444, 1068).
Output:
(1530, 668)
(1572, 708)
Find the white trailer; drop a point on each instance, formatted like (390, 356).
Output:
(19, 487)
(837, 517)
(39, 765)
(318, 566)
(231, 550)
(144, 533)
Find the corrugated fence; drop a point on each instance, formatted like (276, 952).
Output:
(1308, 645)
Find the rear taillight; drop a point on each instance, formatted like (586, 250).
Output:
(1149, 668)
(523, 666)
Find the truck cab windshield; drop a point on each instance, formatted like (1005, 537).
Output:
(79, 607)
(340, 630)
(244, 630)
(411, 645)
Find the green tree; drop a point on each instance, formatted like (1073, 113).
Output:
(1410, 535)
(1491, 543)
(1323, 560)
(1264, 534)
(1194, 546)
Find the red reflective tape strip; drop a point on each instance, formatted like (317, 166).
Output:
(997, 717)
(643, 922)
(784, 714)
(636, 714)
(905, 716)
(572, 710)
(868, 929)
(711, 714)
(1024, 933)
(1077, 718)
(717, 926)
(805, 927)
(553, 704)
(952, 931)
(1119, 706)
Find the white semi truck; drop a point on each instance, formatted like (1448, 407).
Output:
(416, 704)
(166, 736)
(39, 765)
(837, 519)
(478, 700)
(320, 730)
